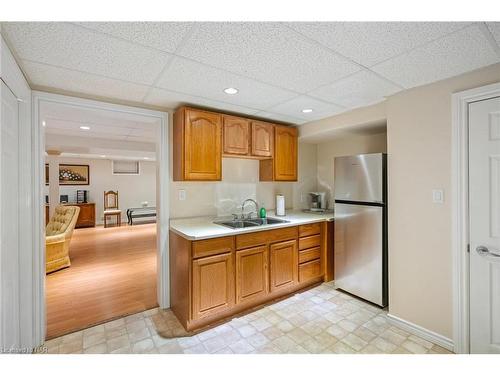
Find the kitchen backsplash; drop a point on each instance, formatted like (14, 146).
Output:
(241, 181)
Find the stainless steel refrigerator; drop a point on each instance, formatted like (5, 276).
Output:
(360, 254)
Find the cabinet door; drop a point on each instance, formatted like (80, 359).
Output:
(284, 265)
(251, 274)
(86, 217)
(262, 139)
(213, 285)
(285, 153)
(202, 146)
(236, 134)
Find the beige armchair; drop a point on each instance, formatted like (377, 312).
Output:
(58, 236)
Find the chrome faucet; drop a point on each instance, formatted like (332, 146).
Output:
(250, 214)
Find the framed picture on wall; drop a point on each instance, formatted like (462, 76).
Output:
(74, 174)
(71, 174)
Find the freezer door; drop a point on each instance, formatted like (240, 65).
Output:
(358, 252)
(359, 178)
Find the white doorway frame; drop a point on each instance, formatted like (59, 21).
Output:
(460, 209)
(162, 194)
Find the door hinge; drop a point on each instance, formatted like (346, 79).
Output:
(468, 247)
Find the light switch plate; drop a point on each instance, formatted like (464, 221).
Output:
(438, 196)
(182, 195)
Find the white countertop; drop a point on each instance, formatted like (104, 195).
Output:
(204, 227)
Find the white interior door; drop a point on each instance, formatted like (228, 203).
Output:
(9, 217)
(484, 206)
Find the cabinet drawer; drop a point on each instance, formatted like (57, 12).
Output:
(213, 246)
(265, 237)
(309, 229)
(308, 242)
(309, 270)
(309, 254)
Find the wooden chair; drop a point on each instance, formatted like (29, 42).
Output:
(111, 207)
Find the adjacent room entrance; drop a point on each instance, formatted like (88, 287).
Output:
(103, 170)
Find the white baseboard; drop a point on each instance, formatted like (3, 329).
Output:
(422, 332)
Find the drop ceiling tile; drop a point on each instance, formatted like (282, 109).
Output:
(74, 126)
(294, 107)
(80, 133)
(269, 52)
(495, 30)
(165, 36)
(371, 42)
(278, 117)
(170, 99)
(458, 53)
(70, 46)
(78, 82)
(360, 89)
(197, 79)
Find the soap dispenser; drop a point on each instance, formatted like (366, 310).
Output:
(262, 211)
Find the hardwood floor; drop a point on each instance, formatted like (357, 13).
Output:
(112, 274)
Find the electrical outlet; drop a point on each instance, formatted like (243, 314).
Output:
(182, 195)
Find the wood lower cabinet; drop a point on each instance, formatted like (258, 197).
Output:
(213, 279)
(86, 217)
(284, 262)
(236, 136)
(312, 251)
(213, 285)
(251, 274)
(197, 145)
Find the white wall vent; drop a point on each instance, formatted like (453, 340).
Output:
(125, 167)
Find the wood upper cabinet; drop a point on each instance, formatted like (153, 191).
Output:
(251, 274)
(201, 138)
(285, 153)
(283, 166)
(262, 139)
(284, 265)
(236, 136)
(197, 145)
(212, 285)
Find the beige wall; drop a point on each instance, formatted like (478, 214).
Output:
(240, 180)
(132, 189)
(349, 145)
(419, 149)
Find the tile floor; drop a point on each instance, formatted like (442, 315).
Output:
(320, 320)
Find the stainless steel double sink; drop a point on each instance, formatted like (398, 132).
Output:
(247, 223)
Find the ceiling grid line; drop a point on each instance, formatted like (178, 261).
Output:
(336, 66)
(183, 41)
(361, 66)
(488, 35)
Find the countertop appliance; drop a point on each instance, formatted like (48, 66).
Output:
(360, 255)
(318, 201)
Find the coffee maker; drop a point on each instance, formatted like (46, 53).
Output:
(318, 201)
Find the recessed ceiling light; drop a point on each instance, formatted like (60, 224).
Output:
(307, 110)
(231, 91)
(84, 127)
(102, 156)
(145, 158)
(44, 123)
